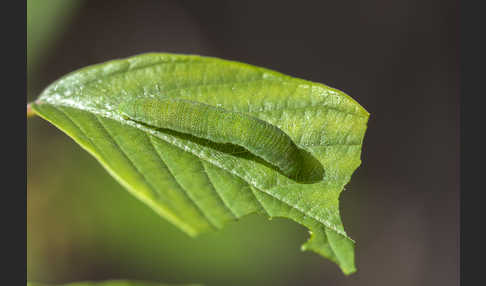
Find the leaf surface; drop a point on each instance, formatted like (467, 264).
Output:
(198, 184)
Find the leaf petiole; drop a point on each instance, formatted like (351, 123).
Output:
(30, 111)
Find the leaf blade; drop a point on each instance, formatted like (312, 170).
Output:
(198, 185)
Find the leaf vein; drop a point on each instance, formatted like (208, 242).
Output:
(211, 223)
(149, 184)
(216, 189)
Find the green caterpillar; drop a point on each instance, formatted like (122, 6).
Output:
(219, 125)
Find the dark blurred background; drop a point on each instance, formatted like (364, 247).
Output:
(398, 59)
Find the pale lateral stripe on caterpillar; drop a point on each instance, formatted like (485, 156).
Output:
(218, 125)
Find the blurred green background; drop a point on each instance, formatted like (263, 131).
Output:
(398, 59)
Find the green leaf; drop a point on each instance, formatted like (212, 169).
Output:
(196, 183)
(112, 283)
